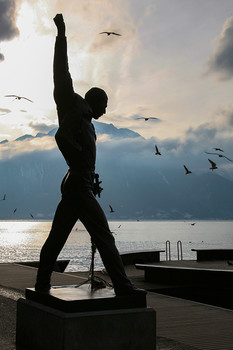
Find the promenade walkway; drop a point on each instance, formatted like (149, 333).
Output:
(181, 324)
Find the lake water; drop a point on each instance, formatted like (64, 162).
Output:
(22, 240)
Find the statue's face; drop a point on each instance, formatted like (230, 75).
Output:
(99, 108)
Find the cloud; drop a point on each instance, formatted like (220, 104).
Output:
(42, 127)
(226, 117)
(12, 149)
(4, 111)
(221, 61)
(8, 14)
(221, 122)
(188, 150)
(201, 133)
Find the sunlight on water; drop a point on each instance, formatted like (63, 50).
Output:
(22, 240)
(15, 233)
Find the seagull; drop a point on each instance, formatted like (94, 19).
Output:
(220, 156)
(4, 198)
(218, 149)
(147, 118)
(157, 153)
(19, 97)
(187, 171)
(213, 165)
(109, 33)
(111, 210)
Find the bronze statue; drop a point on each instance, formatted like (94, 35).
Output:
(76, 140)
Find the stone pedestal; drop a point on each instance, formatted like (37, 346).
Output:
(41, 326)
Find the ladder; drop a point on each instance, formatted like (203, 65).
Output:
(179, 250)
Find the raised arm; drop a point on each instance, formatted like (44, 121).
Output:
(63, 85)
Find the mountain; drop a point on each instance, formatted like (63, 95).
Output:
(52, 132)
(148, 193)
(100, 128)
(4, 141)
(41, 134)
(110, 129)
(24, 137)
(137, 184)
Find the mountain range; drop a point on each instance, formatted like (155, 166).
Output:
(137, 184)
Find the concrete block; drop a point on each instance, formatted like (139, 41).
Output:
(40, 327)
(144, 256)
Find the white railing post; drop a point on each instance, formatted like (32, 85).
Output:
(168, 250)
(179, 250)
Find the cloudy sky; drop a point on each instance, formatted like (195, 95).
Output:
(173, 60)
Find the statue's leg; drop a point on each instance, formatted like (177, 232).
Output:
(64, 220)
(94, 219)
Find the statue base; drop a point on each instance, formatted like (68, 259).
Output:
(71, 318)
(72, 298)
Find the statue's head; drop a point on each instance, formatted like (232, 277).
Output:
(98, 100)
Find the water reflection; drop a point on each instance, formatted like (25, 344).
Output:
(22, 240)
(16, 233)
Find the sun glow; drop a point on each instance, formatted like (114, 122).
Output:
(26, 71)
(26, 21)
(18, 232)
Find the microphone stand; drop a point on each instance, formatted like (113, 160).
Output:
(96, 282)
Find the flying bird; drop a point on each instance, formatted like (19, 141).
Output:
(220, 156)
(111, 209)
(16, 97)
(15, 210)
(213, 165)
(109, 33)
(218, 149)
(187, 171)
(157, 153)
(147, 118)
(32, 216)
(4, 198)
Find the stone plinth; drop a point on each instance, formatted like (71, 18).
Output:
(41, 326)
(71, 298)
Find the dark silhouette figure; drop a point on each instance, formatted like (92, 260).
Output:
(220, 156)
(109, 33)
(147, 118)
(16, 97)
(213, 165)
(111, 209)
(76, 140)
(187, 171)
(218, 149)
(157, 153)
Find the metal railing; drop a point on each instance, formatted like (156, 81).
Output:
(168, 250)
(179, 250)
